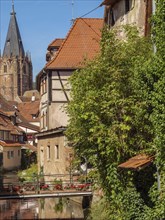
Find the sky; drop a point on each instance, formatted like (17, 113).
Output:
(41, 21)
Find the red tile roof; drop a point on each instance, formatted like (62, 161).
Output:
(138, 162)
(11, 108)
(56, 43)
(7, 125)
(28, 109)
(18, 144)
(10, 144)
(81, 42)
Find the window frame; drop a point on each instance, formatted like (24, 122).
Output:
(48, 152)
(56, 152)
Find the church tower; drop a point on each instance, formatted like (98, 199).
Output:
(15, 65)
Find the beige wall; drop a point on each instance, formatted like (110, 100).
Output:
(135, 16)
(47, 155)
(53, 114)
(14, 161)
(57, 115)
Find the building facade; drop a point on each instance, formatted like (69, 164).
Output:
(132, 12)
(82, 42)
(11, 141)
(15, 64)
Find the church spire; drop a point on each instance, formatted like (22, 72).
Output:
(13, 44)
(13, 7)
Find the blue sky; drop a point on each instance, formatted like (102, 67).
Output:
(41, 21)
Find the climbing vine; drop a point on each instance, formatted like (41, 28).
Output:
(117, 110)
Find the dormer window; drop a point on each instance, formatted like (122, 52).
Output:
(33, 116)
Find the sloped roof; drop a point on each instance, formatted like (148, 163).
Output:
(10, 144)
(30, 93)
(8, 109)
(56, 43)
(81, 42)
(28, 109)
(7, 125)
(13, 44)
(137, 162)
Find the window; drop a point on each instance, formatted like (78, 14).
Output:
(5, 68)
(24, 69)
(43, 85)
(6, 135)
(18, 153)
(56, 151)
(48, 152)
(43, 120)
(128, 5)
(2, 135)
(12, 154)
(41, 88)
(8, 154)
(46, 117)
(112, 17)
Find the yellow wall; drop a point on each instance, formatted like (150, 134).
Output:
(12, 162)
(50, 163)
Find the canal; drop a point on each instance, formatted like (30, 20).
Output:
(42, 208)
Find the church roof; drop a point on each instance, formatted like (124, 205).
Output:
(13, 44)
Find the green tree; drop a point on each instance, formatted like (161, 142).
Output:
(118, 110)
(157, 97)
(110, 116)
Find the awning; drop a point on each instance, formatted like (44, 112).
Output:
(137, 162)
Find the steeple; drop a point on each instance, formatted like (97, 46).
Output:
(13, 44)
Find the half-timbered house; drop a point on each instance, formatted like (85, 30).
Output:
(82, 42)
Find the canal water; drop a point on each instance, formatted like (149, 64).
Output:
(47, 208)
(41, 208)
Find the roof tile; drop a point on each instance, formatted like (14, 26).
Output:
(81, 42)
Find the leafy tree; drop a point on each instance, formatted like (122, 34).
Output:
(117, 110)
(157, 97)
(28, 174)
(109, 114)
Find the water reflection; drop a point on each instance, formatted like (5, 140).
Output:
(48, 208)
(18, 209)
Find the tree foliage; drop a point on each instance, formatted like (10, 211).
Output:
(109, 112)
(157, 97)
(117, 111)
